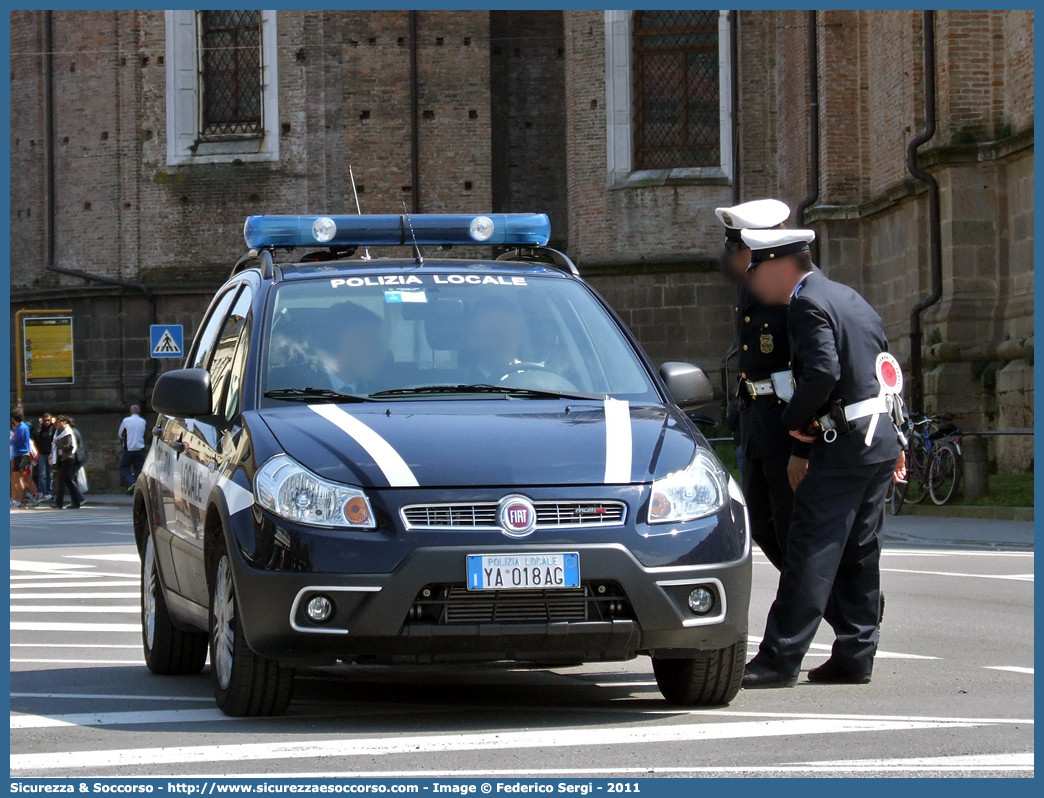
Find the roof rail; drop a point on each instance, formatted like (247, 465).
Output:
(545, 255)
(266, 265)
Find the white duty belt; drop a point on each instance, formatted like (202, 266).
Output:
(779, 384)
(888, 402)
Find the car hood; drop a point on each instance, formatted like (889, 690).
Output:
(502, 442)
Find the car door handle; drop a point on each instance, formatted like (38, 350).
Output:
(178, 446)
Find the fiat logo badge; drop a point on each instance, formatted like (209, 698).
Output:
(516, 516)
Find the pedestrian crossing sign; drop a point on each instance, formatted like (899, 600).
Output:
(166, 340)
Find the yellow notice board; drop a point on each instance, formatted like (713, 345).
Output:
(47, 343)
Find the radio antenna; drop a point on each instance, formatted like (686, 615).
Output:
(416, 249)
(358, 208)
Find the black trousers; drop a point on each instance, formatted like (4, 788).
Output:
(770, 503)
(833, 558)
(66, 479)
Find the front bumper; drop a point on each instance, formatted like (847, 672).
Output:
(370, 621)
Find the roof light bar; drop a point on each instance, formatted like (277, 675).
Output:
(435, 229)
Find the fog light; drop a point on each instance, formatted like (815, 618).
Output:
(321, 608)
(701, 600)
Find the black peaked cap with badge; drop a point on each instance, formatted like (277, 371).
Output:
(761, 334)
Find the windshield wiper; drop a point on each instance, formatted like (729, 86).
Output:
(500, 390)
(313, 395)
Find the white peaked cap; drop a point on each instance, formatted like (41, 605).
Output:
(767, 244)
(757, 215)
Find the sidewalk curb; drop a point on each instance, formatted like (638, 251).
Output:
(981, 513)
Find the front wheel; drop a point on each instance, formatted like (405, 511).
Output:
(712, 678)
(168, 650)
(245, 684)
(944, 474)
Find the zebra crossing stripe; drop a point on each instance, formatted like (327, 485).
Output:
(24, 764)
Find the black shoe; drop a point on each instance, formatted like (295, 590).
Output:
(835, 672)
(74, 506)
(757, 676)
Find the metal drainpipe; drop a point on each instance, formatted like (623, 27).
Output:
(934, 235)
(813, 122)
(414, 123)
(49, 204)
(734, 88)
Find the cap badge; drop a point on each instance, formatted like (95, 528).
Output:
(727, 219)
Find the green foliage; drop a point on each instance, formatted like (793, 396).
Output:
(934, 337)
(1006, 490)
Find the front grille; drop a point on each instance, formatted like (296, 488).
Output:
(455, 604)
(483, 515)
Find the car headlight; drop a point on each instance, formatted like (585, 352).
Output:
(700, 490)
(290, 490)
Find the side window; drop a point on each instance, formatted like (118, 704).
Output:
(209, 332)
(226, 367)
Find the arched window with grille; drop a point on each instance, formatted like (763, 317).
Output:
(677, 89)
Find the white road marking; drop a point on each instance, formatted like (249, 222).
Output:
(953, 553)
(53, 586)
(394, 468)
(618, 443)
(1012, 668)
(105, 557)
(956, 764)
(63, 610)
(77, 575)
(53, 626)
(1012, 577)
(879, 655)
(271, 751)
(22, 596)
(113, 697)
(44, 567)
(141, 718)
(80, 661)
(72, 645)
(974, 761)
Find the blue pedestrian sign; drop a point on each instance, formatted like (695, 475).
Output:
(166, 340)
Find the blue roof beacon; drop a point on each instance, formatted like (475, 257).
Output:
(497, 229)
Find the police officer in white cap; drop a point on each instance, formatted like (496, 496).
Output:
(844, 403)
(771, 461)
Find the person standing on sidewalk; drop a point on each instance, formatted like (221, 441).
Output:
(65, 455)
(44, 439)
(21, 459)
(132, 431)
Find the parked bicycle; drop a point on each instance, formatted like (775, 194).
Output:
(934, 463)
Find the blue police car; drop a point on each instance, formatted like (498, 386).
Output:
(417, 460)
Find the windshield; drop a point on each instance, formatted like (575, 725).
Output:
(423, 334)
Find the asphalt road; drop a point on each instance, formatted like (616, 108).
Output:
(952, 692)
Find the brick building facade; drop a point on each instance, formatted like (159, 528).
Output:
(535, 110)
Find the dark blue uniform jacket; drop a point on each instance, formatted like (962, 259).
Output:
(835, 338)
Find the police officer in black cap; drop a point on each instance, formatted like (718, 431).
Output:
(845, 403)
(771, 461)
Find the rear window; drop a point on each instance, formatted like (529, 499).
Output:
(362, 335)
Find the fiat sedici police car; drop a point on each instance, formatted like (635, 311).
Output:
(423, 460)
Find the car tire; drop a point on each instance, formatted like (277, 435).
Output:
(168, 650)
(245, 684)
(712, 678)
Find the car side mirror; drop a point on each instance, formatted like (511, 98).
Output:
(688, 386)
(184, 393)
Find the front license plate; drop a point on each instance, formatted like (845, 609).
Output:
(523, 571)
